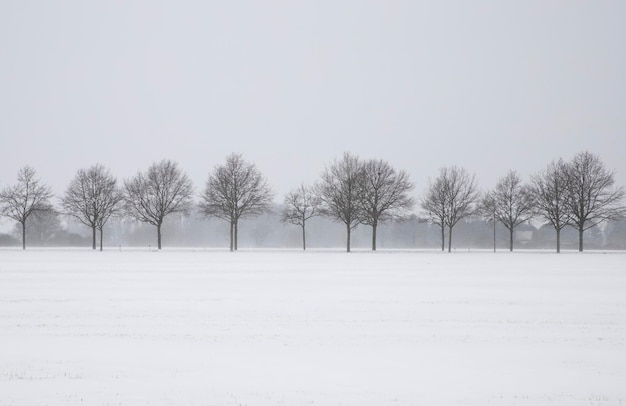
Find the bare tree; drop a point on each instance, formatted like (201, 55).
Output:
(340, 190)
(29, 196)
(550, 192)
(463, 194)
(162, 190)
(487, 210)
(450, 198)
(301, 204)
(92, 197)
(435, 204)
(513, 203)
(235, 190)
(592, 197)
(110, 208)
(384, 195)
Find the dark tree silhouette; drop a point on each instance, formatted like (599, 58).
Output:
(92, 197)
(29, 196)
(592, 197)
(385, 195)
(340, 190)
(162, 190)
(235, 190)
(300, 205)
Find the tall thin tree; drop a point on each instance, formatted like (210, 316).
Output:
(435, 205)
(29, 196)
(300, 205)
(162, 190)
(384, 196)
(235, 190)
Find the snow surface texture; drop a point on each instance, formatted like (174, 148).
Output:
(315, 328)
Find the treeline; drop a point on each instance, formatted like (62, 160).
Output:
(576, 195)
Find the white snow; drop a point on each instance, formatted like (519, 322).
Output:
(193, 327)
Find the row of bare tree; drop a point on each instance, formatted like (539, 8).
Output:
(353, 192)
(233, 190)
(579, 193)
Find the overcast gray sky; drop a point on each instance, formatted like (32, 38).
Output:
(487, 85)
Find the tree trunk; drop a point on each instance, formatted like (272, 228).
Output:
(101, 234)
(580, 239)
(23, 235)
(450, 239)
(443, 238)
(558, 240)
(303, 238)
(494, 233)
(232, 228)
(374, 227)
(511, 239)
(236, 234)
(348, 238)
(93, 237)
(159, 236)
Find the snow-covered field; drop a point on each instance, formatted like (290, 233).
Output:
(321, 328)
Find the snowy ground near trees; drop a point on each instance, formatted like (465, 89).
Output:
(322, 328)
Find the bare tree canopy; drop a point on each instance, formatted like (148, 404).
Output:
(513, 203)
(450, 198)
(549, 189)
(162, 190)
(592, 197)
(340, 190)
(29, 196)
(300, 205)
(92, 197)
(235, 190)
(384, 195)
